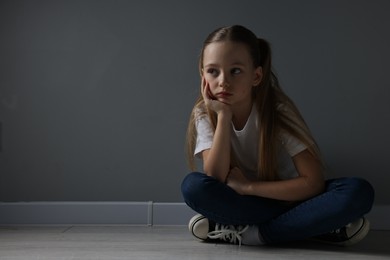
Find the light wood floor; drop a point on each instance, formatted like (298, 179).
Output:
(162, 243)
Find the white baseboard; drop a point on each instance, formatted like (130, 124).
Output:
(127, 213)
(122, 213)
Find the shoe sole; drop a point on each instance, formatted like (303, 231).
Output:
(359, 235)
(193, 221)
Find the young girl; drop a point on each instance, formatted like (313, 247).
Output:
(263, 176)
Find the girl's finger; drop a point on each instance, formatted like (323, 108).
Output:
(209, 94)
(206, 89)
(203, 87)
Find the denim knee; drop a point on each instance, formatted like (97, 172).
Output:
(190, 186)
(357, 195)
(364, 194)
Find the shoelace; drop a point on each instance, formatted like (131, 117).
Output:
(337, 231)
(228, 233)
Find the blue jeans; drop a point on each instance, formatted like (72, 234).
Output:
(344, 200)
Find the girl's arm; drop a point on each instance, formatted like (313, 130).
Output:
(309, 183)
(216, 160)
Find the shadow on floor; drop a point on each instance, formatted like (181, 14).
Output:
(377, 243)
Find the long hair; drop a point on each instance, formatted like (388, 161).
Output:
(277, 112)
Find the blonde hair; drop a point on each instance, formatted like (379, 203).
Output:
(277, 112)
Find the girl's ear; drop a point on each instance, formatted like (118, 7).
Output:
(258, 76)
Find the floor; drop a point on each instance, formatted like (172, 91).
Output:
(164, 242)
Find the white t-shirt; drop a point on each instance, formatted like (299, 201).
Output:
(245, 144)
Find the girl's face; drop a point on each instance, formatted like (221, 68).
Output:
(228, 69)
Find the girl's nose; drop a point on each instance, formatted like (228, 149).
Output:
(224, 83)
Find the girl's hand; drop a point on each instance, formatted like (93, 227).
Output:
(237, 181)
(211, 101)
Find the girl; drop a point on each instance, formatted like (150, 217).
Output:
(263, 176)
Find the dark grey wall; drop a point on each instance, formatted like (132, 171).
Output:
(95, 95)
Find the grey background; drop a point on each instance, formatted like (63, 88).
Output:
(95, 95)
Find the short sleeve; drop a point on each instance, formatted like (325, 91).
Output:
(292, 145)
(205, 134)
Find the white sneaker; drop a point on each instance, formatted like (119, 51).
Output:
(348, 235)
(203, 229)
(199, 227)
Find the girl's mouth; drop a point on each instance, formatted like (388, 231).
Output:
(223, 94)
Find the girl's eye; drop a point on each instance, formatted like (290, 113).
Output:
(213, 72)
(236, 71)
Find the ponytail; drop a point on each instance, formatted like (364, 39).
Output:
(277, 113)
(265, 100)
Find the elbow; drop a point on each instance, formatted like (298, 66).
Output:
(316, 188)
(319, 189)
(219, 175)
(310, 188)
